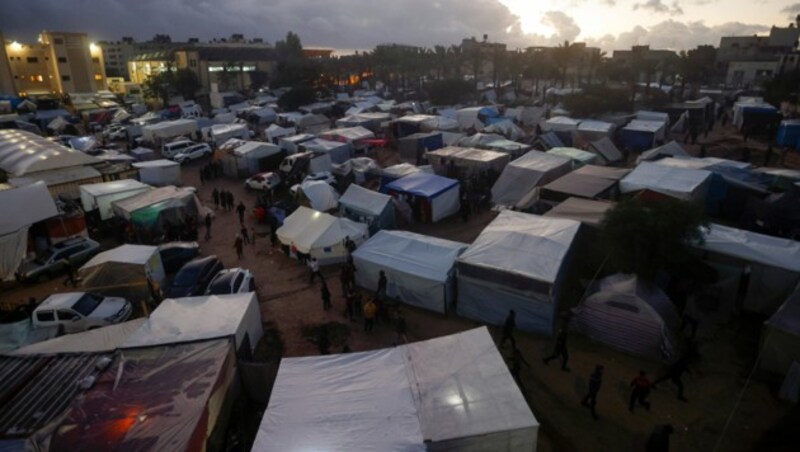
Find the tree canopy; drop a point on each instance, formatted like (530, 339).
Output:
(450, 91)
(297, 97)
(645, 237)
(183, 82)
(596, 100)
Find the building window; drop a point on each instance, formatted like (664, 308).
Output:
(65, 78)
(95, 60)
(98, 76)
(62, 59)
(32, 60)
(58, 41)
(39, 78)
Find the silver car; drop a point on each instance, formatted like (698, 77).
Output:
(58, 258)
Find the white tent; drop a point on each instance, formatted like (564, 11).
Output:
(671, 149)
(592, 130)
(198, 318)
(142, 256)
(467, 160)
(586, 211)
(374, 209)
(560, 124)
(449, 393)
(274, 132)
(681, 183)
(505, 128)
(774, 262)
(479, 140)
(23, 207)
(523, 175)
(320, 195)
(100, 196)
(105, 339)
(350, 135)
(338, 151)
(419, 268)
(320, 235)
(627, 315)
(159, 173)
(247, 158)
(517, 262)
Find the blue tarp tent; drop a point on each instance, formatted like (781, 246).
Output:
(430, 197)
(789, 133)
(412, 148)
(640, 135)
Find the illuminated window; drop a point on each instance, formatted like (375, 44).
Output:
(33, 78)
(98, 76)
(39, 78)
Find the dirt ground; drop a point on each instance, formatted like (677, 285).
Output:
(751, 419)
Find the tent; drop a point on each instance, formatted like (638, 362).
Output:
(419, 268)
(263, 115)
(780, 337)
(450, 393)
(754, 106)
(627, 315)
(100, 196)
(560, 124)
(124, 272)
(671, 149)
(143, 154)
(788, 134)
(394, 172)
(250, 158)
(639, 135)
(313, 123)
(190, 319)
(774, 263)
(153, 209)
(23, 153)
(511, 148)
(292, 144)
(578, 157)
(370, 121)
(29, 204)
(432, 197)
(467, 161)
(318, 195)
(159, 173)
(98, 340)
(604, 172)
(338, 151)
(681, 183)
(475, 117)
(413, 147)
(320, 235)
(520, 177)
(606, 151)
(354, 136)
(274, 132)
(374, 209)
(416, 123)
(518, 262)
(579, 185)
(506, 128)
(479, 139)
(592, 130)
(586, 211)
(362, 169)
(175, 397)
(548, 140)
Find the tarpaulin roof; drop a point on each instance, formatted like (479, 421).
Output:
(528, 245)
(105, 339)
(595, 126)
(561, 124)
(454, 389)
(753, 247)
(178, 320)
(151, 197)
(126, 254)
(574, 154)
(155, 164)
(321, 196)
(479, 139)
(581, 185)
(524, 174)
(400, 170)
(679, 183)
(639, 125)
(364, 200)
(116, 186)
(309, 229)
(167, 398)
(671, 149)
(348, 133)
(584, 210)
(23, 152)
(606, 148)
(422, 184)
(29, 204)
(469, 154)
(605, 172)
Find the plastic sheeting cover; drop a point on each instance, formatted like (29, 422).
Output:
(309, 230)
(524, 244)
(524, 174)
(364, 200)
(679, 183)
(321, 196)
(105, 339)
(753, 247)
(584, 210)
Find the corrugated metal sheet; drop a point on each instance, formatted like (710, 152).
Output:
(37, 389)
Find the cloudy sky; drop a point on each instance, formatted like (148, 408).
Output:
(361, 24)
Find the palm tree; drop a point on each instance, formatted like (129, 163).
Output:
(595, 62)
(563, 56)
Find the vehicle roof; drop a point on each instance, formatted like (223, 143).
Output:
(61, 300)
(199, 262)
(169, 245)
(71, 242)
(226, 276)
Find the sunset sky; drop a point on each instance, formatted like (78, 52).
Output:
(361, 24)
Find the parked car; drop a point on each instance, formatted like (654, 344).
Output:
(263, 181)
(58, 258)
(81, 311)
(193, 278)
(193, 153)
(175, 254)
(170, 150)
(325, 176)
(232, 280)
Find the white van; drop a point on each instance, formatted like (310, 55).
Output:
(316, 162)
(170, 150)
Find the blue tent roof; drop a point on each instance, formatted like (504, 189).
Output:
(422, 184)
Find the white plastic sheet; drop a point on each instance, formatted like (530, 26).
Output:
(522, 175)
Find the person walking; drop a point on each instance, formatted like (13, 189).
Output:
(313, 264)
(370, 311)
(239, 245)
(400, 329)
(202, 176)
(241, 210)
(560, 349)
(208, 226)
(349, 245)
(508, 329)
(517, 361)
(326, 296)
(350, 305)
(675, 372)
(381, 292)
(215, 197)
(244, 234)
(595, 381)
(344, 279)
(72, 278)
(641, 389)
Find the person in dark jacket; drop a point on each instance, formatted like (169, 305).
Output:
(508, 329)
(595, 381)
(560, 349)
(641, 389)
(326, 296)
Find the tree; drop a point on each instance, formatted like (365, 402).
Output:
(258, 79)
(186, 83)
(595, 100)
(161, 85)
(291, 47)
(450, 92)
(644, 238)
(563, 57)
(783, 87)
(297, 97)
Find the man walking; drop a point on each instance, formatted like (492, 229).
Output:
(230, 201)
(326, 296)
(215, 196)
(560, 349)
(314, 266)
(370, 310)
(244, 234)
(595, 381)
(239, 245)
(240, 210)
(674, 373)
(208, 226)
(508, 330)
(641, 389)
(381, 292)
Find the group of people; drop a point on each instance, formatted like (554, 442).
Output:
(222, 198)
(210, 171)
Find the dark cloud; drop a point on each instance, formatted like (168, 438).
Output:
(792, 10)
(657, 6)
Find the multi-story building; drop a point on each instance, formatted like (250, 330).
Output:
(750, 60)
(117, 54)
(58, 63)
(6, 76)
